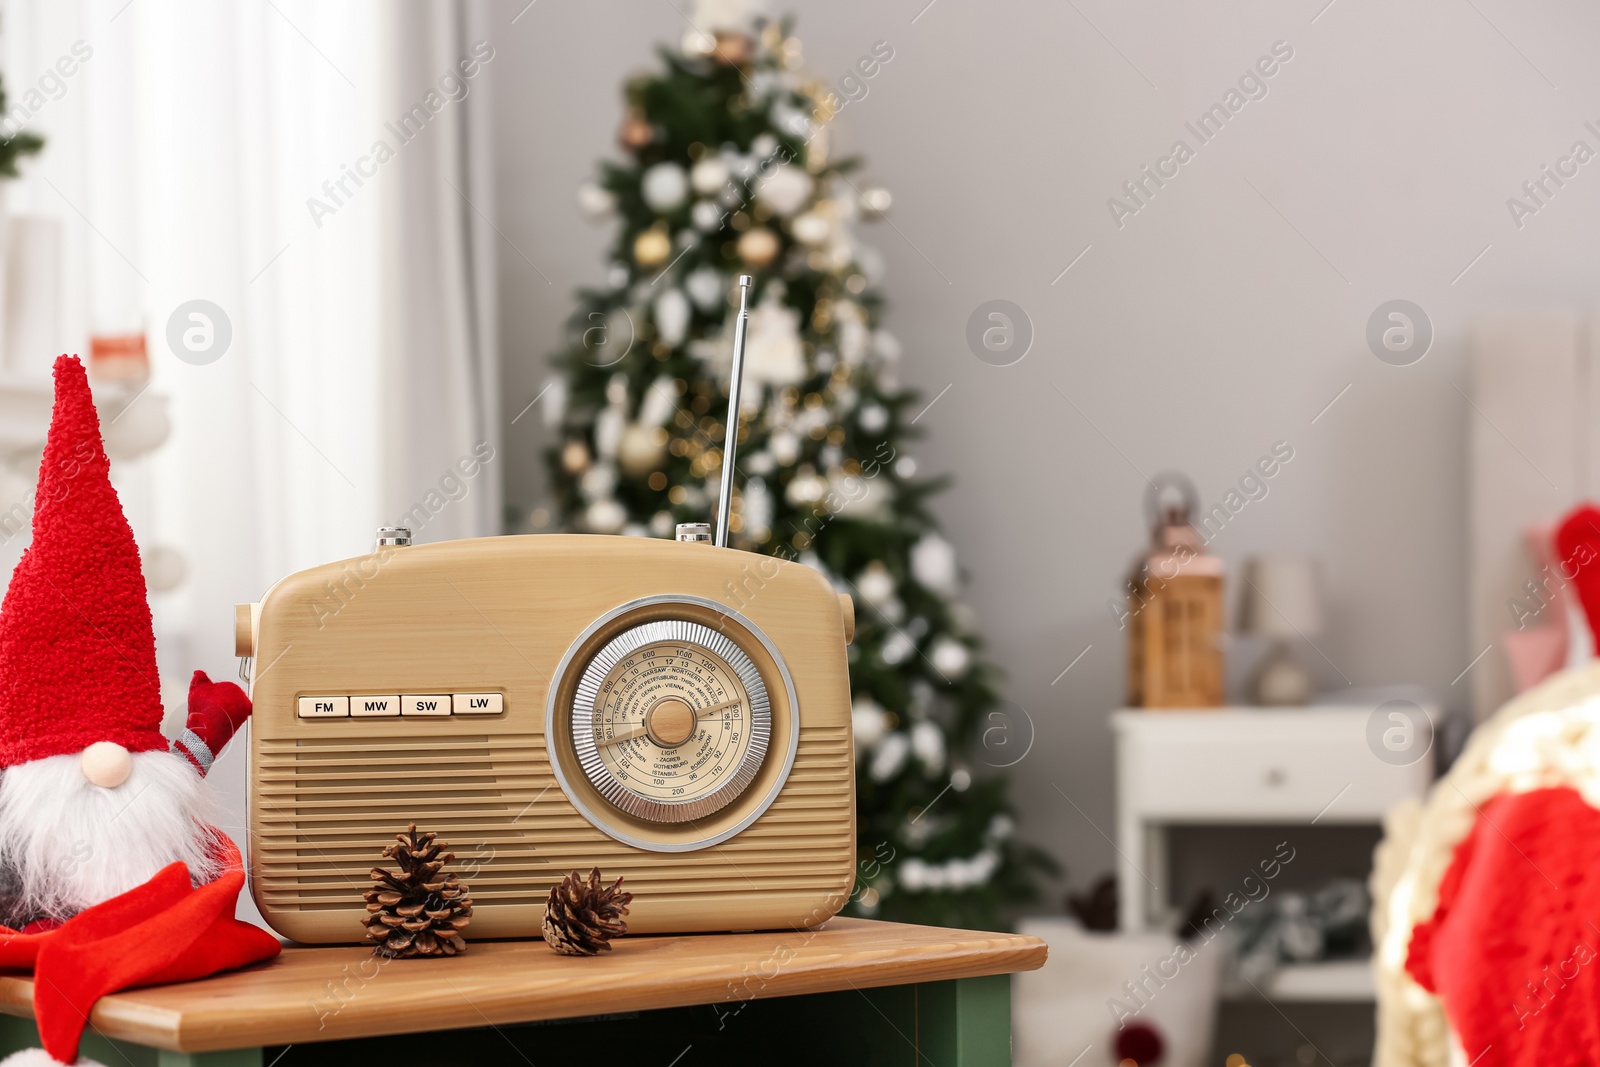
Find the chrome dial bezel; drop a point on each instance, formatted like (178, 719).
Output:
(586, 705)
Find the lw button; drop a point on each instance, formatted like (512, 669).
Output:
(479, 703)
(374, 707)
(324, 707)
(428, 705)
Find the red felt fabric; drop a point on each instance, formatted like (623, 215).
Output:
(216, 711)
(1578, 560)
(1513, 948)
(163, 931)
(77, 652)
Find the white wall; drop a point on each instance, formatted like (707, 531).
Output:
(1220, 319)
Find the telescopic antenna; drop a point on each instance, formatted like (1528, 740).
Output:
(730, 444)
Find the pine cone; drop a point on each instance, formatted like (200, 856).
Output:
(581, 917)
(416, 911)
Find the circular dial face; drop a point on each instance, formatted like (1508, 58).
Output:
(671, 721)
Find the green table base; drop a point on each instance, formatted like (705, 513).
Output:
(963, 1023)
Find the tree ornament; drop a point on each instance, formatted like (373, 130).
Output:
(707, 287)
(889, 757)
(581, 917)
(417, 910)
(773, 352)
(574, 457)
(875, 584)
(869, 723)
(641, 450)
(652, 247)
(671, 313)
(605, 517)
(664, 187)
(733, 48)
(706, 216)
(785, 190)
(927, 744)
(757, 247)
(812, 229)
(635, 133)
(950, 658)
(594, 203)
(875, 203)
(709, 176)
(933, 564)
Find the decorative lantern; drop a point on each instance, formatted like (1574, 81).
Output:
(1175, 614)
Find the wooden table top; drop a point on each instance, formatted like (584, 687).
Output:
(326, 994)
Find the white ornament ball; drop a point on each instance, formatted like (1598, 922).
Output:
(933, 564)
(640, 452)
(785, 190)
(875, 584)
(897, 649)
(709, 176)
(785, 447)
(950, 658)
(664, 187)
(875, 203)
(164, 568)
(706, 216)
(763, 146)
(605, 517)
(889, 757)
(811, 229)
(873, 418)
(868, 722)
(672, 316)
(594, 203)
(927, 742)
(706, 287)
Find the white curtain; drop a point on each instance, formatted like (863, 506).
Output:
(229, 153)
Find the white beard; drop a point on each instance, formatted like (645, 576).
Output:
(69, 844)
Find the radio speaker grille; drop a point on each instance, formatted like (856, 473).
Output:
(325, 807)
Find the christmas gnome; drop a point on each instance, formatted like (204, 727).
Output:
(111, 873)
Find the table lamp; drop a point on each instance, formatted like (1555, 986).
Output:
(1282, 600)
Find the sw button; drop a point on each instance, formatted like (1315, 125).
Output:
(479, 703)
(429, 705)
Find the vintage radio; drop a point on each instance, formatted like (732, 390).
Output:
(677, 713)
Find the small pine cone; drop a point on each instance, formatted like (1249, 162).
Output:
(581, 917)
(417, 911)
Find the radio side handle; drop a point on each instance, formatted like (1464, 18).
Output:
(847, 608)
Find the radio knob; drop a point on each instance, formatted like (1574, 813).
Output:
(393, 535)
(694, 532)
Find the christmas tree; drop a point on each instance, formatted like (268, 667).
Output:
(727, 170)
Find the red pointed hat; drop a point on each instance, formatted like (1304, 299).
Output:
(77, 652)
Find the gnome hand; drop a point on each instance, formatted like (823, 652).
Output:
(216, 711)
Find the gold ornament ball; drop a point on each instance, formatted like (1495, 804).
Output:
(575, 457)
(638, 453)
(733, 48)
(758, 247)
(635, 133)
(651, 248)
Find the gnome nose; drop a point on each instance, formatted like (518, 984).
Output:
(107, 764)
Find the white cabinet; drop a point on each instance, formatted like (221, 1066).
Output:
(1230, 766)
